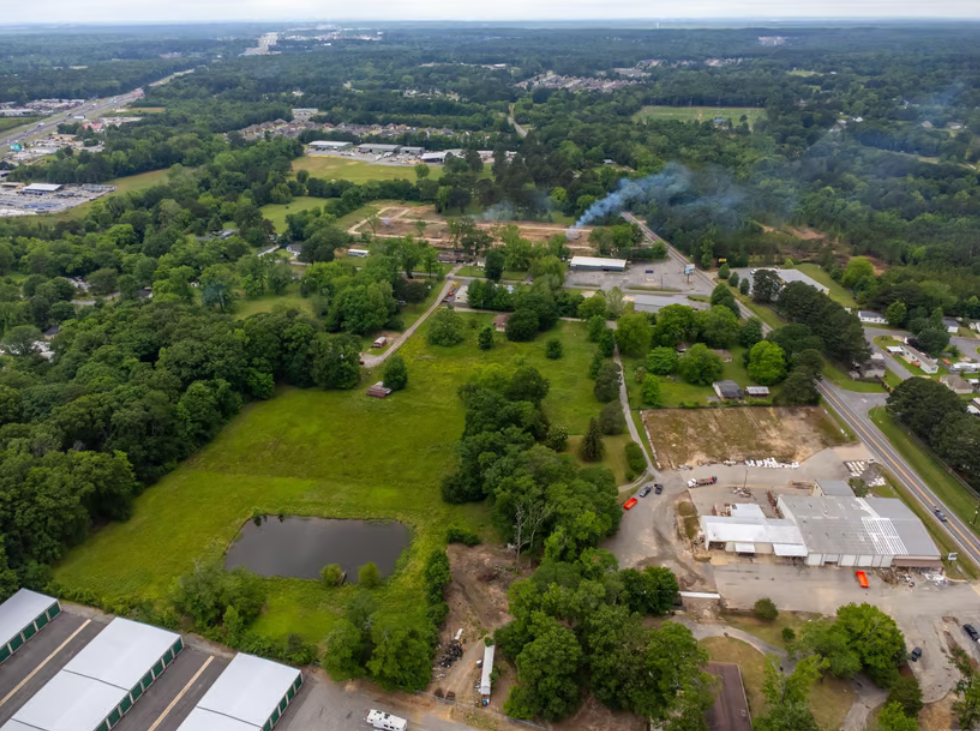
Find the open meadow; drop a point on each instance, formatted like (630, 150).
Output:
(332, 454)
(331, 167)
(700, 114)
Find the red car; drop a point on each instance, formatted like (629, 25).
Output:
(630, 503)
(862, 579)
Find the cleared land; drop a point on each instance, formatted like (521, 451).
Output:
(678, 392)
(700, 114)
(329, 167)
(277, 212)
(693, 436)
(837, 292)
(331, 454)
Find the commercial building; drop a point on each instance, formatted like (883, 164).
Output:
(786, 276)
(102, 682)
(833, 488)
(17, 112)
(376, 149)
(435, 158)
(40, 188)
(656, 302)
(251, 694)
(22, 616)
(410, 150)
(595, 264)
(852, 531)
(334, 145)
(748, 531)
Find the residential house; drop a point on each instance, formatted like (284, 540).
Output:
(727, 390)
(952, 326)
(867, 317)
(956, 384)
(757, 391)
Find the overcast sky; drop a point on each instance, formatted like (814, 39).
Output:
(123, 11)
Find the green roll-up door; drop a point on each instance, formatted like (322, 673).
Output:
(104, 726)
(41, 621)
(158, 669)
(16, 643)
(5, 652)
(125, 705)
(168, 657)
(178, 645)
(114, 717)
(147, 680)
(29, 631)
(290, 693)
(136, 692)
(53, 611)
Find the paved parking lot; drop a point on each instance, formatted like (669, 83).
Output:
(41, 658)
(667, 274)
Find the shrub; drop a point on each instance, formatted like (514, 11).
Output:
(634, 457)
(592, 449)
(553, 350)
(733, 279)
(485, 337)
(788, 635)
(368, 576)
(662, 361)
(395, 373)
(462, 535)
(437, 576)
(724, 272)
(611, 419)
(765, 609)
(522, 326)
(606, 387)
(557, 438)
(908, 694)
(651, 395)
(639, 374)
(445, 328)
(332, 575)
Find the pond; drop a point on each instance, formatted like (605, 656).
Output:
(297, 547)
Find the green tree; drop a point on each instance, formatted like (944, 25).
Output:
(633, 334)
(611, 419)
(522, 325)
(765, 286)
(933, 340)
(877, 639)
(675, 324)
(546, 674)
(553, 349)
(395, 373)
(332, 575)
(967, 706)
(592, 448)
(651, 394)
(767, 363)
(750, 332)
(799, 389)
(485, 337)
(607, 382)
(724, 272)
(445, 328)
(893, 718)
(907, 693)
(717, 327)
(368, 576)
(653, 590)
(402, 656)
(733, 279)
(765, 609)
(896, 313)
(662, 361)
(595, 327)
(493, 267)
(787, 697)
(744, 286)
(527, 384)
(594, 306)
(336, 361)
(858, 268)
(700, 365)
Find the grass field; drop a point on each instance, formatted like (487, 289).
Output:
(270, 302)
(277, 212)
(836, 375)
(145, 110)
(771, 632)
(837, 292)
(475, 271)
(679, 392)
(15, 122)
(700, 114)
(329, 167)
(332, 454)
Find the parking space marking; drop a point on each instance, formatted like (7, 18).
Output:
(44, 662)
(183, 692)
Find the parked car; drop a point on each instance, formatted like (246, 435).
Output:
(645, 490)
(658, 488)
(971, 632)
(915, 654)
(939, 514)
(862, 579)
(628, 505)
(648, 271)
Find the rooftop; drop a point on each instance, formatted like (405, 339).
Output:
(121, 654)
(748, 524)
(595, 261)
(795, 275)
(837, 488)
(42, 188)
(862, 526)
(20, 610)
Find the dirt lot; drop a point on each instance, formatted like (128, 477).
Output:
(399, 221)
(704, 436)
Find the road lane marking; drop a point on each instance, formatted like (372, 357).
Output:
(46, 660)
(180, 695)
(875, 442)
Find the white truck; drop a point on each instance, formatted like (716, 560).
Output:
(385, 721)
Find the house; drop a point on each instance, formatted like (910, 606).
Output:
(500, 322)
(379, 342)
(952, 326)
(757, 391)
(921, 360)
(379, 390)
(975, 325)
(873, 369)
(867, 317)
(52, 332)
(727, 390)
(896, 350)
(956, 384)
(973, 410)
(965, 366)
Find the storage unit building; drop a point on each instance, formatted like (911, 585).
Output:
(251, 694)
(596, 264)
(22, 616)
(852, 531)
(102, 682)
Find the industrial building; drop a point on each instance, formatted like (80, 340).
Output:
(102, 682)
(595, 264)
(748, 531)
(436, 158)
(833, 488)
(40, 189)
(332, 145)
(377, 149)
(251, 694)
(852, 531)
(22, 616)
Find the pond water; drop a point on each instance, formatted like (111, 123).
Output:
(299, 548)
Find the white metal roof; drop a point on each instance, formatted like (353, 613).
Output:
(744, 548)
(786, 549)
(43, 187)
(202, 720)
(594, 261)
(488, 653)
(121, 654)
(20, 610)
(722, 529)
(68, 702)
(249, 689)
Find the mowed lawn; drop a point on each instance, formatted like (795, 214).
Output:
(277, 212)
(700, 114)
(329, 167)
(332, 454)
(837, 292)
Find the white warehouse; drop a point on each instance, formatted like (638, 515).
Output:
(22, 616)
(250, 695)
(102, 682)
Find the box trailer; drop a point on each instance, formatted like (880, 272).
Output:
(385, 721)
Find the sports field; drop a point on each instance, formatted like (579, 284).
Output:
(331, 167)
(700, 114)
(325, 453)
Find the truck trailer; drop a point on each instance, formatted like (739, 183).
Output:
(385, 721)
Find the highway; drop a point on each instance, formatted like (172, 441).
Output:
(853, 408)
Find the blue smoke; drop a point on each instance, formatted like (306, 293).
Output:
(670, 182)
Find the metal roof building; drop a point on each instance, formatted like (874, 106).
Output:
(251, 694)
(656, 302)
(485, 681)
(795, 275)
(37, 188)
(748, 530)
(102, 682)
(852, 531)
(331, 145)
(596, 264)
(378, 148)
(834, 488)
(22, 616)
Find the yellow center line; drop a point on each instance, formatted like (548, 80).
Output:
(180, 695)
(46, 660)
(874, 441)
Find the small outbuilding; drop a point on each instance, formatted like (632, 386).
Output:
(757, 391)
(485, 684)
(250, 695)
(379, 342)
(728, 390)
(22, 616)
(500, 322)
(596, 264)
(378, 390)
